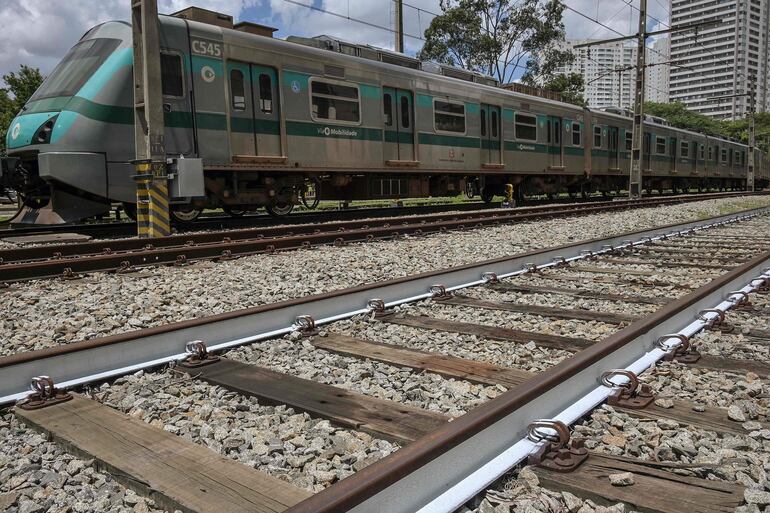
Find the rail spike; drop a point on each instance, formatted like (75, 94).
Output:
(305, 326)
(631, 394)
(684, 352)
(44, 394)
(197, 355)
(557, 453)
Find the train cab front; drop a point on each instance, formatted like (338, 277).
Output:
(80, 119)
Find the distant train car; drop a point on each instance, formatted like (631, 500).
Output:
(273, 120)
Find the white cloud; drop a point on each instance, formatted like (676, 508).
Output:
(39, 32)
(308, 22)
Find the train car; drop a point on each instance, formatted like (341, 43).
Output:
(273, 120)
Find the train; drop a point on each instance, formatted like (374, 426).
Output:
(279, 122)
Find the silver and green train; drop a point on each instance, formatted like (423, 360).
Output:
(273, 120)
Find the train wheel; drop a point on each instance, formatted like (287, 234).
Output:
(487, 195)
(234, 212)
(309, 195)
(186, 215)
(279, 209)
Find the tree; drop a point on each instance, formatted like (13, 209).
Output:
(20, 87)
(739, 129)
(571, 88)
(678, 116)
(498, 37)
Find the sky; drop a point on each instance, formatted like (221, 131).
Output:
(39, 33)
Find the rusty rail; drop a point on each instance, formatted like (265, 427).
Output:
(70, 260)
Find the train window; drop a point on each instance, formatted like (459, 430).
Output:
(629, 141)
(737, 158)
(684, 151)
(702, 151)
(711, 153)
(265, 93)
(77, 66)
(237, 90)
(335, 101)
(597, 136)
(576, 134)
(660, 145)
(387, 105)
(526, 127)
(495, 124)
(449, 116)
(404, 112)
(171, 75)
(483, 123)
(723, 155)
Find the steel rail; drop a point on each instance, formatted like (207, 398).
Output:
(447, 467)
(279, 228)
(220, 222)
(98, 359)
(120, 255)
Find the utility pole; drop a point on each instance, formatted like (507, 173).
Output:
(637, 141)
(637, 137)
(399, 26)
(152, 210)
(752, 135)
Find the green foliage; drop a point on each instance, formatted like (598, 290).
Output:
(571, 87)
(739, 129)
(495, 37)
(20, 86)
(678, 116)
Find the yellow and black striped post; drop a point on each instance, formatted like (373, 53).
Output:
(158, 220)
(143, 180)
(152, 210)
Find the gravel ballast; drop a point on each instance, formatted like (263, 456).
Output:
(47, 313)
(309, 452)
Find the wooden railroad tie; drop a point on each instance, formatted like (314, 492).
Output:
(175, 473)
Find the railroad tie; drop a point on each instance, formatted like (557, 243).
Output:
(379, 417)
(491, 332)
(174, 472)
(544, 311)
(684, 412)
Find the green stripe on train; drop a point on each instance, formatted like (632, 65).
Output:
(449, 140)
(393, 136)
(304, 129)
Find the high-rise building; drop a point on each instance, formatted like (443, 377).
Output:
(719, 60)
(607, 72)
(656, 81)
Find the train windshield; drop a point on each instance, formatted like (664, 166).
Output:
(78, 65)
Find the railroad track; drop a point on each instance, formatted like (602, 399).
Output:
(681, 279)
(113, 229)
(125, 255)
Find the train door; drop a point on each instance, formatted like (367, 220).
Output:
(647, 151)
(267, 127)
(612, 146)
(555, 141)
(490, 134)
(398, 117)
(693, 154)
(242, 140)
(672, 154)
(176, 103)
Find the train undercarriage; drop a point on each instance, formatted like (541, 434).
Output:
(239, 192)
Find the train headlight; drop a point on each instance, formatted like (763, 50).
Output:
(43, 134)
